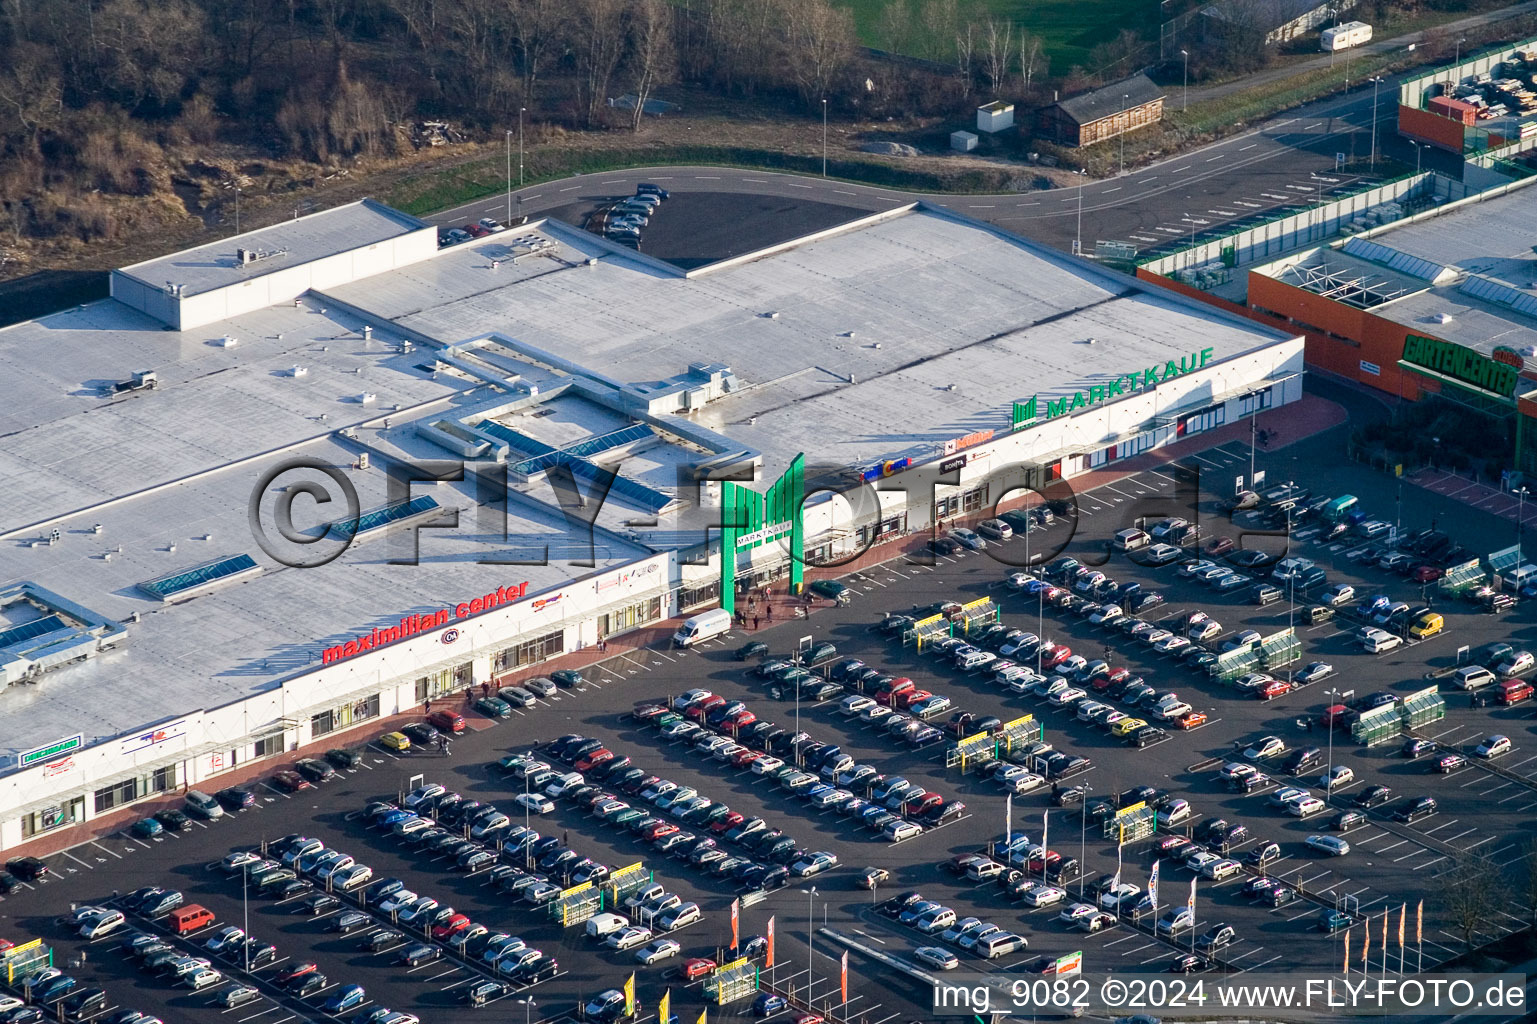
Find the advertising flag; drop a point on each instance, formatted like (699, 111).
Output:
(629, 995)
(1403, 912)
(1045, 820)
(1419, 923)
(1190, 904)
(1117, 866)
(1366, 944)
(1008, 819)
(736, 918)
(1152, 886)
(843, 981)
(701, 1019)
(664, 1007)
(1347, 951)
(1385, 939)
(768, 960)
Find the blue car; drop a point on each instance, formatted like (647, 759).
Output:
(147, 828)
(768, 1003)
(345, 998)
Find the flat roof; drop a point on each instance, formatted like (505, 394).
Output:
(861, 345)
(231, 641)
(327, 233)
(873, 341)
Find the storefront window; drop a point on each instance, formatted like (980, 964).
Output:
(164, 779)
(269, 746)
(708, 593)
(974, 500)
(125, 792)
(628, 618)
(50, 818)
(529, 652)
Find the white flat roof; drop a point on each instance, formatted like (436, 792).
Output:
(308, 238)
(897, 334)
(890, 336)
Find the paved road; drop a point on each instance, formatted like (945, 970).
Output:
(1286, 163)
(1376, 46)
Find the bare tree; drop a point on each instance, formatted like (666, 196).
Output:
(1117, 57)
(652, 58)
(895, 30)
(538, 28)
(818, 41)
(1468, 898)
(938, 22)
(965, 53)
(149, 51)
(1032, 58)
(597, 45)
(997, 52)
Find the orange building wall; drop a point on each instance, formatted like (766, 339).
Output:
(1441, 132)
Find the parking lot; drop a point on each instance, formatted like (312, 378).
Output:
(1484, 807)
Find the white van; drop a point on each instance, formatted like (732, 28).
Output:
(1130, 540)
(1473, 677)
(600, 925)
(103, 924)
(1000, 944)
(701, 627)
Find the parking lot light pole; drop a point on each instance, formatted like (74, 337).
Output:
(1078, 244)
(811, 895)
(509, 174)
(1335, 696)
(528, 1009)
(1185, 104)
(1377, 81)
(1520, 522)
(1083, 836)
(824, 152)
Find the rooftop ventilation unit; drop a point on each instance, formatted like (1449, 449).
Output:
(142, 380)
(250, 256)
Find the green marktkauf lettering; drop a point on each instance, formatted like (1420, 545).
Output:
(1125, 384)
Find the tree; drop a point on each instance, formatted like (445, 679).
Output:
(895, 30)
(938, 21)
(1468, 898)
(651, 50)
(1118, 57)
(149, 51)
(965, 54)
(997, 52)
(1032, 58)
(597, 46)
(818, 41)
(538, 28)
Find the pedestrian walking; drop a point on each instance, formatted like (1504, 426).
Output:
(768, 612)
(485, 689)
(428, 706)
(565, 838)
(755, 620)
(469, 695)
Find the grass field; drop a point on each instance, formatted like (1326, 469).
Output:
(1071, 28)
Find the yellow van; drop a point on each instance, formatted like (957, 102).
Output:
(1427, 625)
(1127, 726)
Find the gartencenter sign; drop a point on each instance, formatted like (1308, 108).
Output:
(413, 624)
(1031, 411)
(1497, 375)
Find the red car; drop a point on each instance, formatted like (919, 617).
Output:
(594, 759)
(658, 831)
(1191, 719)
(698, 711)
(446, 721)
(1273, 689)
(1219, 546)
(297, 971)
(727, 823)
(290, 782)
(1056, 656)
(1428, 574)
(745, 758)
(446, 929)
(475, 230)
(738, 721)
(907, 698)
(696, 967)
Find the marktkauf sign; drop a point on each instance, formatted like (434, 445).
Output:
(414, 624)
(1497, 376)
(1031, 411)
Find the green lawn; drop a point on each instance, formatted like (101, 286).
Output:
(1071, 28)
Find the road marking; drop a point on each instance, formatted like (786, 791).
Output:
(1144, 181)
(757, 181)
(1219, 156)
(573, 188)
(1178, 169)
(1109, 190)
(707, 177)
(841, 192)
(1248, 147)
(974, 206)
(796, 184)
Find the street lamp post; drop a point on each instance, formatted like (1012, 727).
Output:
(824, 136)
(509, 169)
(811, 895)
(528, 1009)
(1520, 523)
(1083, 836)
(1418, 153)
(1125, 126)
(1336, 696)
(1078, 244)
(237, 209)
(521, 112)
(1457, 53)
(1376, 84)
(1185, 103)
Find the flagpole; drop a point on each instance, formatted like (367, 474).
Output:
(1384, 943)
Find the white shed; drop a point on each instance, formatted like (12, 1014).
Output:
(995, 116)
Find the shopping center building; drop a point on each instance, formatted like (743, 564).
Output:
(282, 486)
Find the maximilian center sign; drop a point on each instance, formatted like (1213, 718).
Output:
(1029, 411)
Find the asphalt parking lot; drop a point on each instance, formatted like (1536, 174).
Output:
(1484, 812)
